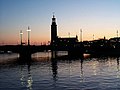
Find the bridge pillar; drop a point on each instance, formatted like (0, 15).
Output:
(76, 52)
(25, 55)
(25, 52)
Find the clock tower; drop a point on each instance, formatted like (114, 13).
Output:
(53, 31)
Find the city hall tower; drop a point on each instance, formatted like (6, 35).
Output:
(53, 31)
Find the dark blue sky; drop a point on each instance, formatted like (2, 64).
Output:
(98, 17)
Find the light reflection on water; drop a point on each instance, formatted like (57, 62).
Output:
(45, 73)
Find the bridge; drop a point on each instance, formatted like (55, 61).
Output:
(28, 50)
(75, 50)
(24, 50)
(99, 47)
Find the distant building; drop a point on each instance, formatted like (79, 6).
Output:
(115, 42)
(58, 41)
(115, 39)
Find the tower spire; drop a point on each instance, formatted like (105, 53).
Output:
(54, 19)
(53, 14)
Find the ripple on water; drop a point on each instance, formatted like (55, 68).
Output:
(46, 74)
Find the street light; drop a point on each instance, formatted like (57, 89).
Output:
(117, 33)
(93, 36)
(21, 33)
(81, 35)
(28, 30)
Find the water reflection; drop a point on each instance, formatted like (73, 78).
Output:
(81, 70)
(118, 71)
(29, 81)
(118, 63)
(22, 75)
(53, 54)
(54, 65)
(26, 78)
(66, 73)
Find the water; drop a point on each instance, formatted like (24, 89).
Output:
(42, 73)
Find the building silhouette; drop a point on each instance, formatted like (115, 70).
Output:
(60, 42)
(53, 31)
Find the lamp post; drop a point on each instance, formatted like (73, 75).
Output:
(21, 33)
(117, 33)
(69, 34)
(81, 35)
(28, 30)
(93, 37)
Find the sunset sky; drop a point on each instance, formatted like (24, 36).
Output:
(98, 17)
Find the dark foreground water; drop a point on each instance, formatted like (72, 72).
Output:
(44, 73)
